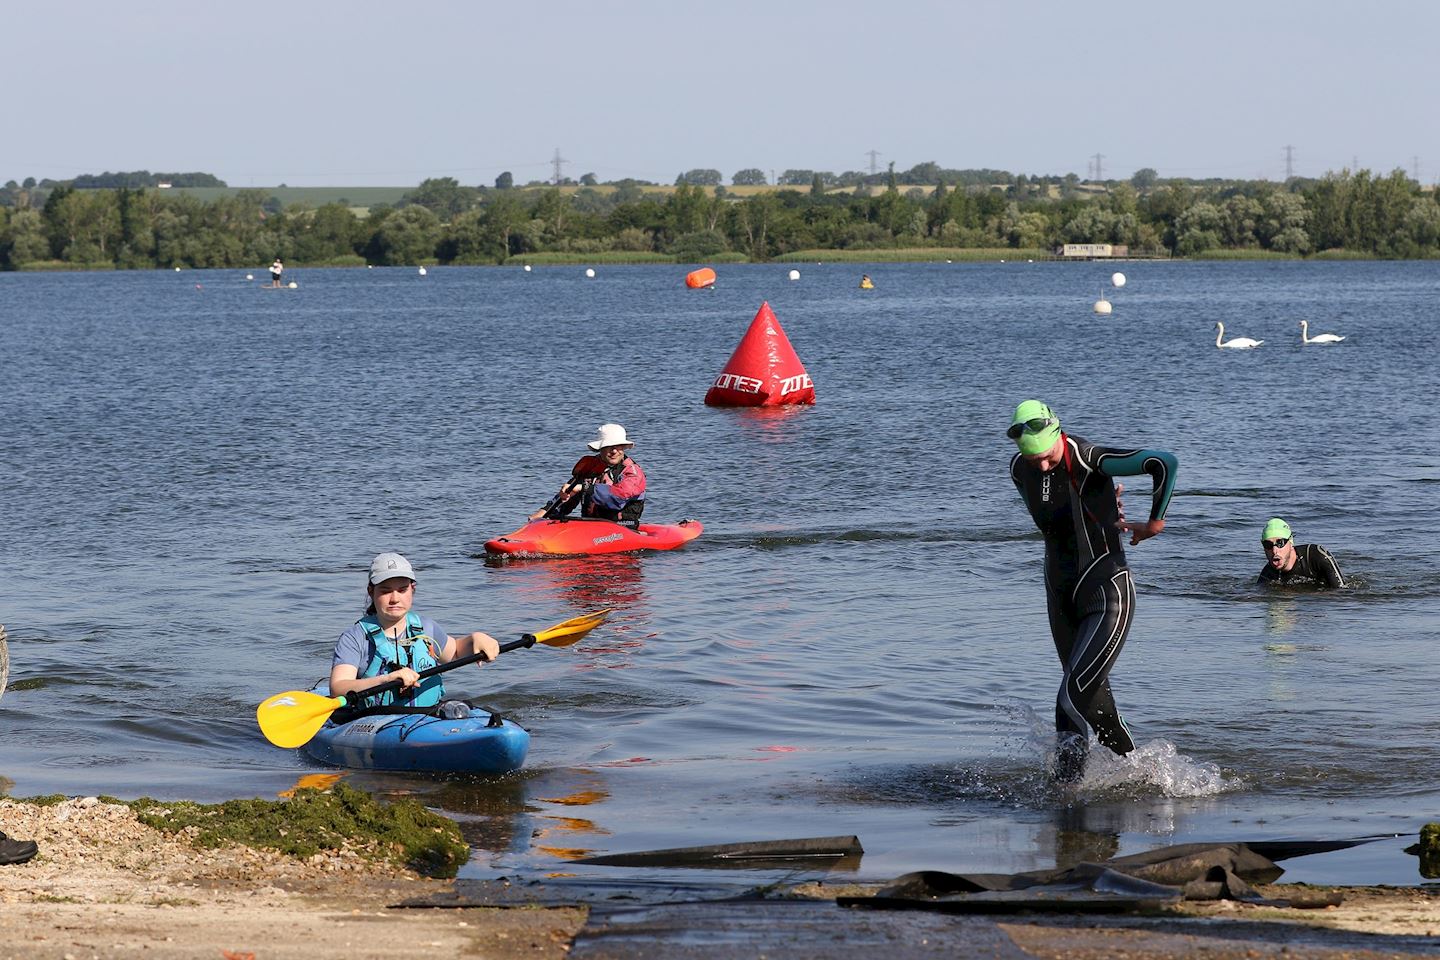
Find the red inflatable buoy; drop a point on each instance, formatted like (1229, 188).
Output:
(764, 370)
(704, 277)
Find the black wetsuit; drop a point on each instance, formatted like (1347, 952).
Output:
(1088, 590)
(1312, 563)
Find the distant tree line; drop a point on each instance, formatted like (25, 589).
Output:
(144, 178)
(443, 221)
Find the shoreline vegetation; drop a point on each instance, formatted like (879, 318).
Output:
(124, 221)
(818, 256)
(175, 879)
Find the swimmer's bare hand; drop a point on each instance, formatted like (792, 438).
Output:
(1142, 531)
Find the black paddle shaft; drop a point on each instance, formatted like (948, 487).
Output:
(355, 698)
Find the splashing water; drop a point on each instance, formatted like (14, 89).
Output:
(1154, 767)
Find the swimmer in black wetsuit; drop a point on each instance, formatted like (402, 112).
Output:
(1066, 485)
(1286, 562)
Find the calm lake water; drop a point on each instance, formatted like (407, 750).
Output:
(198, 472)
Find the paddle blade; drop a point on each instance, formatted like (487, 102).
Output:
(571, 631)
(290, 719)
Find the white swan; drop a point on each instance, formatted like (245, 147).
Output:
(1236, 343)
(1322, 338)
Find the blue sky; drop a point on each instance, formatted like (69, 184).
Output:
(317, 92)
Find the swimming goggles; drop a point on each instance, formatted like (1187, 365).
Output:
(1275, 544)
(1033, 425)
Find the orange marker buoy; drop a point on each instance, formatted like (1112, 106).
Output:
(696, 279)
(764, 370)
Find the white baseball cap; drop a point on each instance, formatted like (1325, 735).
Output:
(610, 435)
(388, 565)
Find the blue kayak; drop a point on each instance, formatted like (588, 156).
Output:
(480, 743)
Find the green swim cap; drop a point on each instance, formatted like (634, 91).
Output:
(1034, 428)
(1276, 529)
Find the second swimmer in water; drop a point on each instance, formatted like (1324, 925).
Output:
(1287, 562)
(1066, 485)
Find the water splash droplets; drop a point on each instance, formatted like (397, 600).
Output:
(1151, 768)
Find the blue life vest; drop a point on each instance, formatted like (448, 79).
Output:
(416, 650)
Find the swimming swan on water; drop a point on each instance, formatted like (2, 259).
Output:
(1321, 338)
(1237, 343)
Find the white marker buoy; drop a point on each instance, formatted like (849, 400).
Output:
(249, 276)
(177, 269)
(1118, 279)
(422, 271)
(1102, 307)
(589, 271)
(794, 274)
(293, 284)
(527, 268)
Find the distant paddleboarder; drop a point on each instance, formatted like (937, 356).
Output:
(1287, 562)
(1067, 487)
(276, 269)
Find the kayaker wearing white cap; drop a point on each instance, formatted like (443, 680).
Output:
(607, 484)
(392, 643)
(1067, 487)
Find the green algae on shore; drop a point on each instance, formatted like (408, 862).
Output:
(1428, 850)
(313, 821)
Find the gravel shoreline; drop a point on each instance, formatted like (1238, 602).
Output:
(106, 885)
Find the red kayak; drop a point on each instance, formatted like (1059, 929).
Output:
(573, 536)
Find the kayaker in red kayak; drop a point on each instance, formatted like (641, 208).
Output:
(391, 643)
(606, 484)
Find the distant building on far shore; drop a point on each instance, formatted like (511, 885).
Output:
(1093, 250)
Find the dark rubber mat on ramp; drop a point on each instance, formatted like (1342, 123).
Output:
(785, 930)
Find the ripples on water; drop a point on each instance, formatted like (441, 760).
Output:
(858, 641)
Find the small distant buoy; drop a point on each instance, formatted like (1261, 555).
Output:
(293, 284)
(1029, 261)
(249, 276)
(949, 261)
(369, 266)
(422, 271)
(1002, 261)
(1118, 279)
(527, 268)
(698, 279)
(198, 287)
(794, 274)
(1102, 306)
(589, 272)
(177, 269)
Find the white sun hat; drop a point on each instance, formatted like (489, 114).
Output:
(610, 435)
